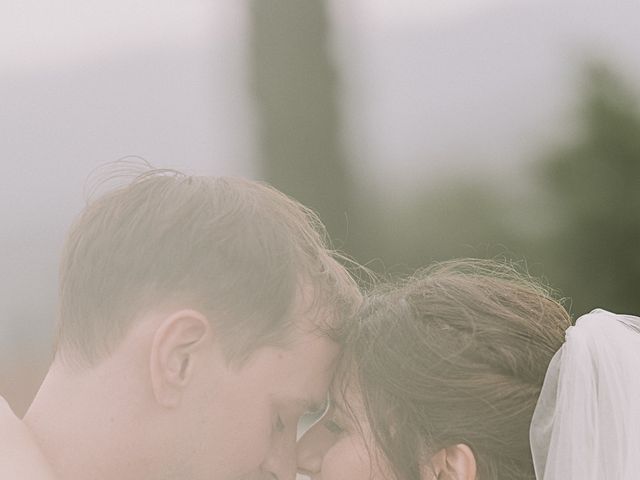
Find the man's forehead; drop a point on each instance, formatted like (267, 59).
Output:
(311, 310)
(313, 352)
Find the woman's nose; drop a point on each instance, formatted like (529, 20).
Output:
(312, 447)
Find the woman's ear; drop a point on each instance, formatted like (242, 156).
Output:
(175, 345)
(456, 462)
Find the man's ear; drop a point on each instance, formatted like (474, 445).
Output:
(176, 343)
(456, 462)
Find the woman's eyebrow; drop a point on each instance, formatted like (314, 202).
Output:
(312, 406)
(324, 406)
(315, 407)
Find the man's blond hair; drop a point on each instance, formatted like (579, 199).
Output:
(238, 250)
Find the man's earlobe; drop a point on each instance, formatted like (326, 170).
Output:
(176, 343)
(456, 462)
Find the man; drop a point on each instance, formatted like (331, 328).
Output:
(198, 323)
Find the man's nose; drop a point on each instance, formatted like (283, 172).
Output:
(311, 448)
(281, 461)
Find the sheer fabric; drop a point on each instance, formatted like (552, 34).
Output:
(586, 424)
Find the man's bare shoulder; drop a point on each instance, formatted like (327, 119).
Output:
(20, 457)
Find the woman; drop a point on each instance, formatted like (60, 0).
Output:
(441, 378)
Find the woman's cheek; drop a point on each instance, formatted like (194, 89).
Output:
(348, 458)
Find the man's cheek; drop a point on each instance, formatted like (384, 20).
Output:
(256, 447)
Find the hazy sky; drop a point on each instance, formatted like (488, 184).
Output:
(385, 13)
(37, 34)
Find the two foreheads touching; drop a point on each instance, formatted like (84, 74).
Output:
(256, 265)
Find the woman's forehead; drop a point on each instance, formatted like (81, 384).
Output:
(345, 396)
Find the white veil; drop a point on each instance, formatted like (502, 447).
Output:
(586, 425)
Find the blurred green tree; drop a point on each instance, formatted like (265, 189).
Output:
(593, 189)
(581, 231)
(296, 89)
(458, 218)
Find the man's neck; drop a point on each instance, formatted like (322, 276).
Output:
(76, 418)
(20, 456)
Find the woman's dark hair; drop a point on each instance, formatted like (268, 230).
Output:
(456, 354)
